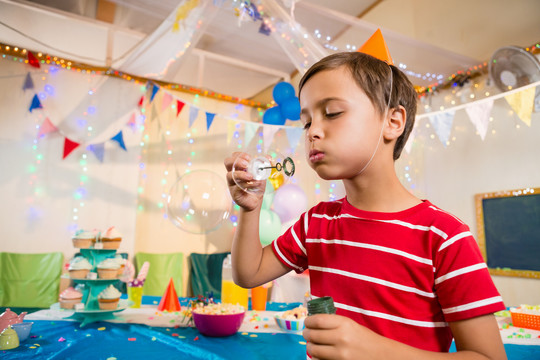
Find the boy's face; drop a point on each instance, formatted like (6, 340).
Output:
(342, 126)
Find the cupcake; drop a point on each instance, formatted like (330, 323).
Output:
(108, 299)
(83, 239)
(108, 269)
(70, 297)
(79, 267)
(122, 263)
(111, 238)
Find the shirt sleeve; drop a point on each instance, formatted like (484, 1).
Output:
(462, 281)
(290, 248)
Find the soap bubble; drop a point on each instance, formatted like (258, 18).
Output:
(199, 201)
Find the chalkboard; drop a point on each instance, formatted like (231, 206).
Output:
(509, 231)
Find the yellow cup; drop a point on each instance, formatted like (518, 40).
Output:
(135, 295)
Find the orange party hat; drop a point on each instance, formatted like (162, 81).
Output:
(376, 47)
(169, 301)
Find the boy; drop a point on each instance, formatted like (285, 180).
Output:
(405, 276)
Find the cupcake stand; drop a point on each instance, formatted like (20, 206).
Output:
(92, 288)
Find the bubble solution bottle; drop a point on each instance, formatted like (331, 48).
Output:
(322, 305)
(230, 292)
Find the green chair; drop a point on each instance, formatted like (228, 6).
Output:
(163, 267)
(206, 273)
(30, 280)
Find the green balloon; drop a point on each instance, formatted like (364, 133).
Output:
(269, 226)
(268, 197)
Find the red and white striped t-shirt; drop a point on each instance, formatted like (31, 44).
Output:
(404, 275)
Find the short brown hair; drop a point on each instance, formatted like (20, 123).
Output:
(373, 77)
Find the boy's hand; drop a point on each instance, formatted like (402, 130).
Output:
(247, 200)
(338, 337)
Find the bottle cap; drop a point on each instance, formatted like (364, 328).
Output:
(322, 305)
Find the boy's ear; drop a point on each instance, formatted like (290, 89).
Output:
(395, 123)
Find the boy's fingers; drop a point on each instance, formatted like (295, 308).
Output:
(322, 321)
(321, 352)
(320, 337)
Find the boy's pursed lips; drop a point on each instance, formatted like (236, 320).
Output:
(315, 155)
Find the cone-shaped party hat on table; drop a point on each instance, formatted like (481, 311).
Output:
(169, 301)
(376, 47)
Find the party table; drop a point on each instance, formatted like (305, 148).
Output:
(145, 333)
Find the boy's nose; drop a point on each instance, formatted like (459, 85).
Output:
(314, 132)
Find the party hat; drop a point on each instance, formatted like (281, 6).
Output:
(376, 47)
(169, 302)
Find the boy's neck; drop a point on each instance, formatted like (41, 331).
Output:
(382, 194)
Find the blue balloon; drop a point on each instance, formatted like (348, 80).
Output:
(273, 116)
(290, 109)
(282, 91)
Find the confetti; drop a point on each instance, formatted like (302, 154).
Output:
(32, 347)
(61, 339)
(256, 327)
(174, 334)
(196, 338)
(111, 358)
(35, 336)
(37, 345)
(253, 335)
(181, 337)
(151, 318)
(132, 339)
(88, 335)
(266, 325)
(244, 333)
(153, 338)
(102, 328)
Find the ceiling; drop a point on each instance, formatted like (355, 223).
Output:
(430, 40)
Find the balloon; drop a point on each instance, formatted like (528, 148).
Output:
(269, 226)
(290, 202)
(273, 116)
(199, 201)
(290, 109)
(282, 91)
(276, 179)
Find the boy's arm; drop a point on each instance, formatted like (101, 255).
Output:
(252, 265)
(338, 337)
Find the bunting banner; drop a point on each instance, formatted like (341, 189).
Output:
(155, 89)
(269, 131)
(36, 104)
(98, 150)
(32, 60)
(132, 123)
(522, 102)
(119, 138)
(28, 82)
(250, 131)
(155, 114)
(479, 115)
(46, 127)
(293, 136)
(166, 101)
(442, 123)
(179, 107)
(141, 102)
(193, 113)
(209, 120)
(231, 128)
(69, 146)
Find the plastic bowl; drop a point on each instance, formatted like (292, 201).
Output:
(289, 325)
(22, 329)
(218, 325)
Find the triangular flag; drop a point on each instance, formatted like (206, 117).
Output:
(32, 60)
(141, 101)
(169, 301)
(209, 120)
(46, 127)
(479, 116)
(36, 104)
(250, 130)
(231, 128)
(28, 83)
(119, 138)
(269, 131)
(293, 136)
(376, 47)
(155, 89)
(69, 146)
(522, 102)
(166, 101)
(193, 113)
(98, 150)
(132, 123)
(179, 106)
(410, 141)
(442, 122)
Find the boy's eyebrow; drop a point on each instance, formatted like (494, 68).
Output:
(320, 103)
